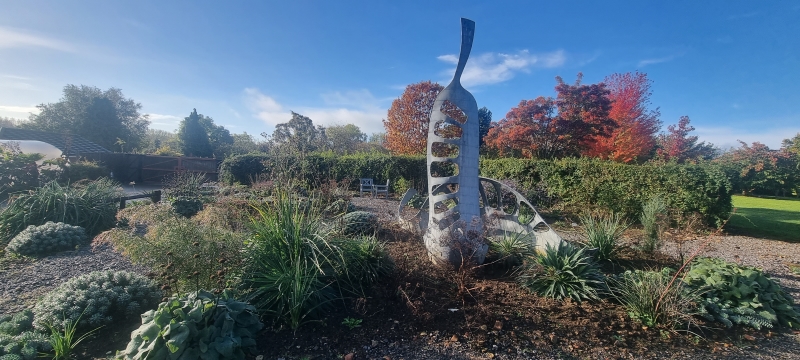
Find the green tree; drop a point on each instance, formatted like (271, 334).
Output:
(218, 136)
(485, 120)
(96, 115)
(193, 137)
(345, 139)
(298, 135)
(10, 122)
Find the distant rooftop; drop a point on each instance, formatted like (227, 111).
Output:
(69, 144)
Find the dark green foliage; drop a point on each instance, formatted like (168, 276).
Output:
(196, 326)
(563, 272)
(582, 183)
(17, 338)
(366, 260)
(360, 223)
(47, 238)
(186, 206)
(243, 169)
(735, 294)
(68, 173)
(91, 205)
(18, 171)
(194, 138)
(98, 298)
(654, 219)
(649, 298)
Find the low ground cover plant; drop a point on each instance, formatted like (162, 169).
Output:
(89, 205)
(47, 238)
(199, 325)
(736, 294)
(98, 298)
(563, 271)
(18, 340)
(359, 223)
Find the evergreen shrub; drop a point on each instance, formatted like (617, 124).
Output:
(47, 238)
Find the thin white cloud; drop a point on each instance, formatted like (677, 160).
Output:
(15, 77)
(359, 107)
(646, 62)
(19, 109)
(10, 38)
(164, 122)
(727, 137)
(492, 68)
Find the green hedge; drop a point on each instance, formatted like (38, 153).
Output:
(579, 183)
(622, 188)
(405, 171)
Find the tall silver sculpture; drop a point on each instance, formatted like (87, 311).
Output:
(462, 214)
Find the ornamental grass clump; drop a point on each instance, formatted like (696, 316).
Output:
(602, 234)
(199, 325)
(736, 294)
(561, 272)
(90, 205)
(48, 238)
(96, 299)
(298, 266)
(653, 218)
(651, 298)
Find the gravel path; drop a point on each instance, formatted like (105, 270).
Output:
(23, 281)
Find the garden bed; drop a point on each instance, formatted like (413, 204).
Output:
(425, 312)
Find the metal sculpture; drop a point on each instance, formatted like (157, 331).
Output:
(460, 214)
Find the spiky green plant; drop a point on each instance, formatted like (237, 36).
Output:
(512, 249)
(563, 271)
(652, 218)
(602, 233)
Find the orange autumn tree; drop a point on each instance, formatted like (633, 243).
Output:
(406, 123)
(635, 135)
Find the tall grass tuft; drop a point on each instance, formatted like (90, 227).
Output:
(512, 249)
(602, 233)
(563, 272)
(654, 213)
(297, 266)
(650, 298)
(90, 205)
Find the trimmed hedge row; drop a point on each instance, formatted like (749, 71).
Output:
(577, 182)
(622, 188)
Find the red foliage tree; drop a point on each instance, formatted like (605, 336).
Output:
(635, 135)
(678, 146)
(406, 123)
(532, 129)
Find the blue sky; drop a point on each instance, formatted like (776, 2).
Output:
(732, 66)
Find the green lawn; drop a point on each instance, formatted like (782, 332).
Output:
(766, 218)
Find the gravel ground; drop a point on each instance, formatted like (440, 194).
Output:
(23, 281)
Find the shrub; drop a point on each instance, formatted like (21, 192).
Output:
(649, 298)
(359, 223)
(17, 340)
(512, 249)
(602, 233)
(366, 261)
(47, 238)
(735, 294)
(68, 173)
(196, 326)
(242, 169)
(562, 272)
(184, 253)
(91, 206)
(18, 171)
(102, 297)
(653, 217)
(589, 183)
(186, 206)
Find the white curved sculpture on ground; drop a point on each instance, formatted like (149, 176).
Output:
(460, 215)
